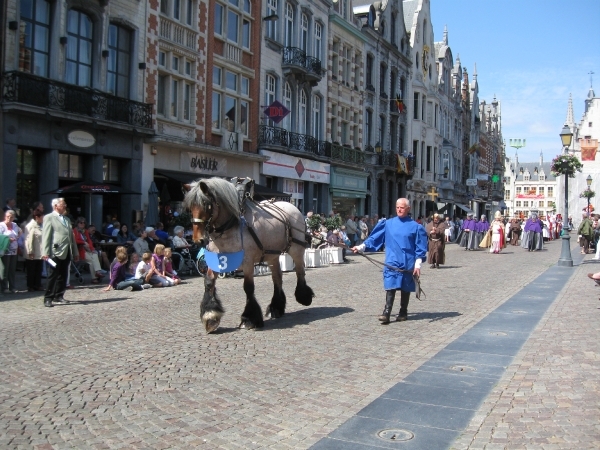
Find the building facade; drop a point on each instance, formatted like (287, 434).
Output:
(73, 106)
(424, 137)
(586, 134)
(202, 77)
(529, 187)
(386, 86)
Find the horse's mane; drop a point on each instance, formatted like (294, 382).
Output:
(224, 192)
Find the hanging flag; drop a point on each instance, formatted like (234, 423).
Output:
(401, 166)
(400, 105)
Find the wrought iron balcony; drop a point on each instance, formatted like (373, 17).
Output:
(388, 159)
(293, 141)
(280, 137)
(32, 90)
(346, 154)
(297, 62)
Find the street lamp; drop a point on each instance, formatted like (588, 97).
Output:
(565, 259)
(588, 180)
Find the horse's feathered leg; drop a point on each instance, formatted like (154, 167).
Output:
(252, 316)
(277, 307)
(211, 309)
(304, 294)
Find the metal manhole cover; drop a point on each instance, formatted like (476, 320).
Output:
(460, 368)
(498, 333)
(519, 311)
(395, 435)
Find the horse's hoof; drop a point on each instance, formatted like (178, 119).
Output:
(211, 321)
(211, 325)
(246, 324)
(273, 313)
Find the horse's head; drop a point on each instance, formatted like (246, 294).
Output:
(202, 206)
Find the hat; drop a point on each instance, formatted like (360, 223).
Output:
(498, 215)
(149, 229)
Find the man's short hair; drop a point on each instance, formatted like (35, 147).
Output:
(56, 201)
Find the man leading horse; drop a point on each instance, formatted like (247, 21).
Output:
(405, 248)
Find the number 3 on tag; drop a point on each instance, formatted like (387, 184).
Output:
(223, 262)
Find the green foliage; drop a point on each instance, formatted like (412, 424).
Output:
(588, 193)
(566, 165)
(333, 222)
(314, 223)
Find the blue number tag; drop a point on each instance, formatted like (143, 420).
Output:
(224, 262)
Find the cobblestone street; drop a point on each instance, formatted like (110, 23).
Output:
(135, 369)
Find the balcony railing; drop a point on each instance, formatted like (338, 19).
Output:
(346, 154)
(268, 135)
(310, 66)
(29, 89)
(388, 159)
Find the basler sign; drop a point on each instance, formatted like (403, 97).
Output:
(202, 163)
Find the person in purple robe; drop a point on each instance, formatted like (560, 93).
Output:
(532, 238)
(467, 234)
(482, 228)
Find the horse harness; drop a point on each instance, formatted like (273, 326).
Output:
(245, 188)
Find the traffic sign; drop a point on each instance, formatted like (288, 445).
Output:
(471, 181)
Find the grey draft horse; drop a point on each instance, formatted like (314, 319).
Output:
(262, 230)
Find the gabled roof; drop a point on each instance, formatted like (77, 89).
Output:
(544, 169)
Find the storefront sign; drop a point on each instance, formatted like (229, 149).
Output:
(202, 163)
(286, 166)
(81, 139)
(471, 181)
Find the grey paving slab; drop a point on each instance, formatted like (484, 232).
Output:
(445, 380)
(467, 398)
(364, 431)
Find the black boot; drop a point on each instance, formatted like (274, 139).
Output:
(404, 298)
(384, 318)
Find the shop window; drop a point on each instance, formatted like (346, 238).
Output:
(34, 41)
(110, 170)
(69, 166)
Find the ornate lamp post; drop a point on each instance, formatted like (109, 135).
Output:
(565, 259)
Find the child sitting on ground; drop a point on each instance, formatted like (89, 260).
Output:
(148, 273)
(168, 271)
(118, 276)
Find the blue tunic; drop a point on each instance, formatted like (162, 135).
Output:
(405, 241)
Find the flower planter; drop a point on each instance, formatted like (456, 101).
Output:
(286, 262)
(312, 257)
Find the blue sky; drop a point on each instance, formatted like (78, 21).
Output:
(531, 54)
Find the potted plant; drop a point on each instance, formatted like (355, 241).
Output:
(566, 165)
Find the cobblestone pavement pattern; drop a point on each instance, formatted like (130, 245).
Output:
(135, 369)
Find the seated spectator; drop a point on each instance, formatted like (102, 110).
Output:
(147, 271)
(161, 233)
(141, 244)
(87, 252)
(116, 228)
(152, 239)
(179, 241)
(118, 278)
(124, 236)
(168, 272)
(97, 240)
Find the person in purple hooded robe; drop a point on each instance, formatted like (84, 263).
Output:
(466, 237)
(532, 234)
(482, 228)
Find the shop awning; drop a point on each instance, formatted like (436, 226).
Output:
(465, 208)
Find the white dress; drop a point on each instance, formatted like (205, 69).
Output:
(496, 237)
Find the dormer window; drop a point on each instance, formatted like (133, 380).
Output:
(526, 176)
(542, 177)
